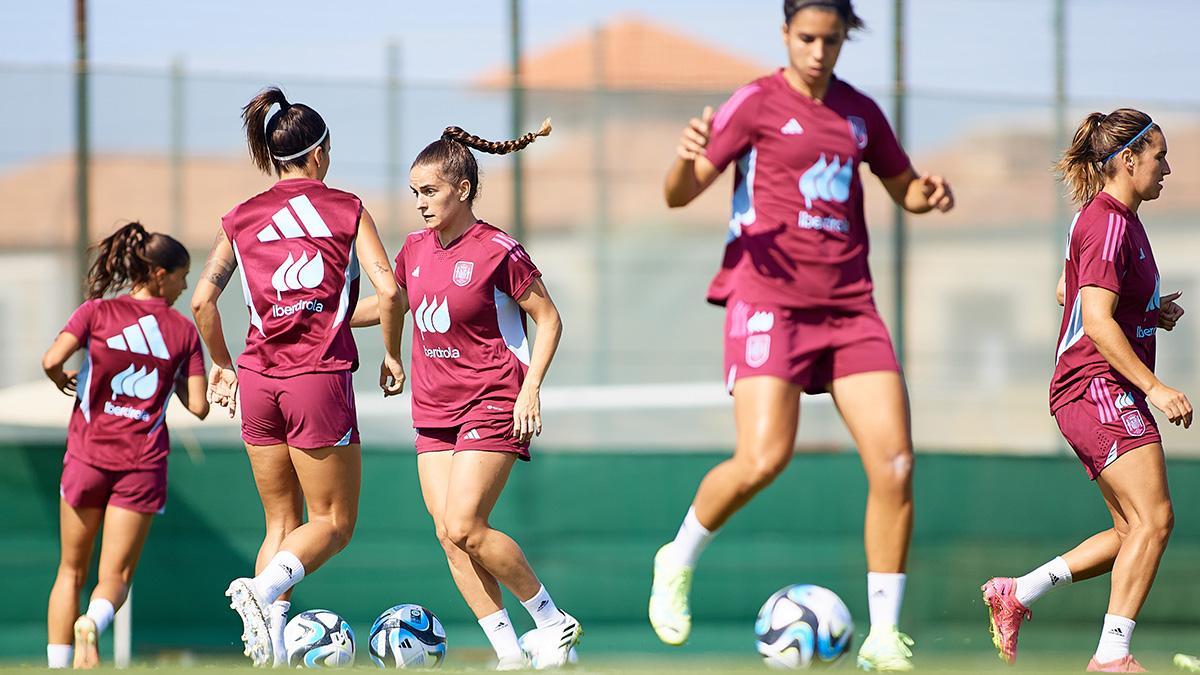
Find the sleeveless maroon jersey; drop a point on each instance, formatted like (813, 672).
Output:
(295, 249)
(135, 350)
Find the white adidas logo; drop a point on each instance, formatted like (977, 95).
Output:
(143, 337)
(792, 128)
(416, 271)
(472, 435)
(137, 383)
(294, 274)
(314, 225)
(432, 317)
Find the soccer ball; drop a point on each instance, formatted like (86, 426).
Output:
(318, 638)
(407, 636)
(803, 625)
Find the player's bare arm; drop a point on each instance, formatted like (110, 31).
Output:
(222, 386)
(56, 356)
(192, 393)
(374, 260)
(1060, 290)
(691, 173)
(527, 414)
(1099, 325)
(920, 193)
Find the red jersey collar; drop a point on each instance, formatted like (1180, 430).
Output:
(1116, 204)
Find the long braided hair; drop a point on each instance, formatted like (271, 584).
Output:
(452, 154)
(129, 256)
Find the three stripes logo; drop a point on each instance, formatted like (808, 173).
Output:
(827, 180)
(432, 317)
(136, 383)
(294, 275)
(285, 224)
(473, 435)
(515, 250)
(142, 337)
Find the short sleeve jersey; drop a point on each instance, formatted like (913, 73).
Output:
(135, 351)
(1107, 248)
(797, 233)
(295, 249)
(470, 349)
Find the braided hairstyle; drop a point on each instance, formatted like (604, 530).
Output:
(452, 154)
(129, 256)
(1088, 162)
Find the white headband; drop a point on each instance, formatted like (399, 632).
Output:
(304, 151)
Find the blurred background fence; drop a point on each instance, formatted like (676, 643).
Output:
(629, 274)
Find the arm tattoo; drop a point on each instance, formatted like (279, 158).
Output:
(216, 270)
(380, 268)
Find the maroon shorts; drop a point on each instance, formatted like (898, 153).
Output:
(314, 410)
(1105, 423)
(494, 435)
(808, 347)
(87, 486)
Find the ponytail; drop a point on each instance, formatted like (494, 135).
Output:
(284, 140)
(127, 258)
(1087, 163)
(452, 155)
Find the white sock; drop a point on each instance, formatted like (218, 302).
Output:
(499, 631)
(284, 571)
(100, 611)
(1114, 638)
(1042, 580)
(885, 592)
(543, 609)
(59, 656)
(690, 541)
(279, 617)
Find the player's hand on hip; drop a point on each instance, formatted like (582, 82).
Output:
(527, 415)
(937, 192)
(1169, 311)
(222, 388)
(695, 136)
(391, 376)
(67, 382)
(1172, 402)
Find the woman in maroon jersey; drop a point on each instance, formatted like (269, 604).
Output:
(1104, 382)
(300, 246)
(801, 317)
(475, 387)
(137, 352)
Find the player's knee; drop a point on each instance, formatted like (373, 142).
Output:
(71, 574)
(763, 470)
(1160, 522)
(467, 535)
(893, 470)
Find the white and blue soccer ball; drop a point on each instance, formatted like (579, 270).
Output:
(802, 626)
(407, 636)
(319, 638)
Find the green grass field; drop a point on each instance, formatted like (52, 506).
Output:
(721, 649)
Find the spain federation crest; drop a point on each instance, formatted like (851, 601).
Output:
(858, 127)
(1134, 424)
(462, 272)
(758, 349)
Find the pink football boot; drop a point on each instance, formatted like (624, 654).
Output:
(1126, 664)
(1005, 613)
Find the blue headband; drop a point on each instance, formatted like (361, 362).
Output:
(1129, 143)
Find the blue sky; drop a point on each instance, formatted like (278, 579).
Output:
(1141, 50)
